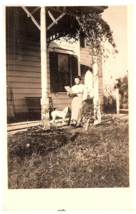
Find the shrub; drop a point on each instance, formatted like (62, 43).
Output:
(124, 92)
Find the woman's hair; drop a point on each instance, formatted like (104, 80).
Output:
(77, 77)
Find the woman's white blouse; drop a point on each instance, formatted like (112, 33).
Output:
(79, 89)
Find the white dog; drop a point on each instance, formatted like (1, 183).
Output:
(61, 114)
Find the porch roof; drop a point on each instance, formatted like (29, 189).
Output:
(54, 26)
(68, 9)
(54, 12)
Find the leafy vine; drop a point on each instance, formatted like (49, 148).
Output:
(93, 28)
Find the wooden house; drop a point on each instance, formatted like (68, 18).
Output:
(37, 64)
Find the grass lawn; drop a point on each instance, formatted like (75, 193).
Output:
(70, 158)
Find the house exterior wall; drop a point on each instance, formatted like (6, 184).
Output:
(60, 99)
(85, 59)
(23, 72)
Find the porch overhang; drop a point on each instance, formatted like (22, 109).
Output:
(56, 17)
(68, 9)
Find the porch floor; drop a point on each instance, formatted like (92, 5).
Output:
(13, 128)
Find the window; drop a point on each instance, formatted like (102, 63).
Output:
(62, 69)
(82, 42)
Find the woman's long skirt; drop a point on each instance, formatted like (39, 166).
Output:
(76, 107)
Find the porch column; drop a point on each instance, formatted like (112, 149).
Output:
(95, 74)
(100, 80)
(44, 81)
(97, 101)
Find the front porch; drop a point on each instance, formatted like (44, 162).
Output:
(29, 68)
(20, 127)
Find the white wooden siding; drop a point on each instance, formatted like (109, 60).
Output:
(85, 57)
(24, 71)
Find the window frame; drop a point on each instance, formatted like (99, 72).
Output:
(82, 42)
(59, 53)
(52, 90)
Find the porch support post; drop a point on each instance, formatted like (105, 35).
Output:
(95, 74)
(100, 80)
(96, 100)
(44, 80)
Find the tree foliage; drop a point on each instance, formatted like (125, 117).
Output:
(94, 29)
(124, 92)
(124, 86)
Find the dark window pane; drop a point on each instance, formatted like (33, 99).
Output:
(54, 74)
(82, 42)
(59, 71)
(74, 68)
(63, 63)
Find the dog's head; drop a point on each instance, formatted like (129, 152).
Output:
(65, 111)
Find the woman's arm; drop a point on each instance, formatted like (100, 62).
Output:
(71, 95)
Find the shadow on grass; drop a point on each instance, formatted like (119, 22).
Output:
(40, 145)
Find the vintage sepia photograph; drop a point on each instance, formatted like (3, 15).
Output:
(67, 97)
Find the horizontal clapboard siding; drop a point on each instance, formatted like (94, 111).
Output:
(32, 46)
(85, 57)
(24, 85)
(23, 73)
(17, 79)
(23, 51)
(22, 67)
(12, 61)
(17, 96)
(26, 92)
(61, 100)
(22, 57)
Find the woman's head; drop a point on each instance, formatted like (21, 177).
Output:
(77, 79)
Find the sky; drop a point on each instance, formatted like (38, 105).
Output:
(116, 17)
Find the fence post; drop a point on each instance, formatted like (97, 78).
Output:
(117, 101)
